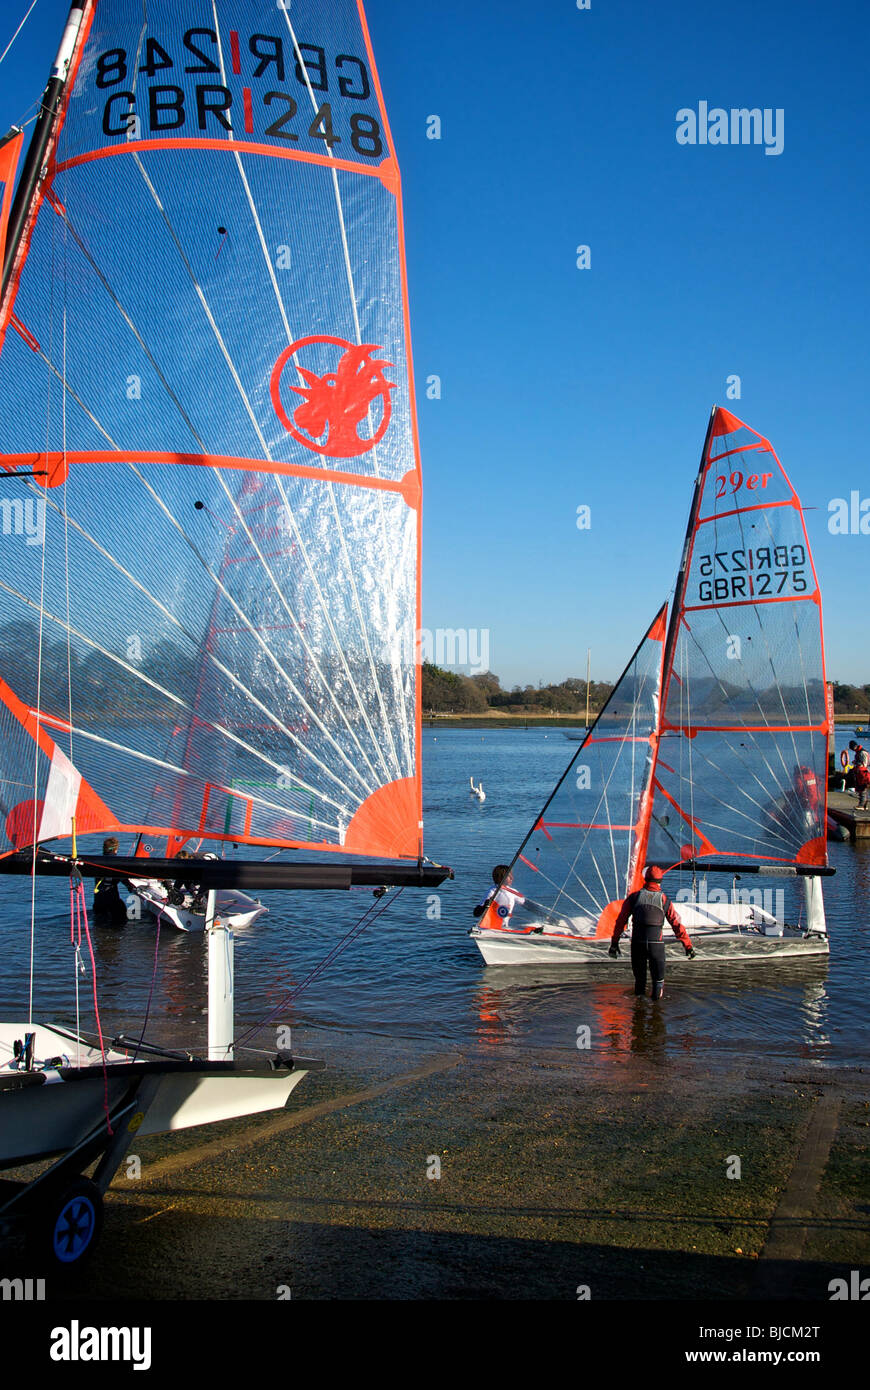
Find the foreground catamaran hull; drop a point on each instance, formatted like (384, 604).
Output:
(714, 945)
(43, 1114)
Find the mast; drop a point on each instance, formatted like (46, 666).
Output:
(34, 165)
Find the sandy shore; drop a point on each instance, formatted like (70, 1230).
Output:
(556, 1173)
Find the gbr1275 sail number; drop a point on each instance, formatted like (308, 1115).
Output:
(765, 571)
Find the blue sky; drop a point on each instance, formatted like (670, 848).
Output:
(563, 387)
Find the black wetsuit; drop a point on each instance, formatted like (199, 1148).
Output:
(109, 909)
(649, 910)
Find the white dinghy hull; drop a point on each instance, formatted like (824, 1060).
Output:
(712, 944)
(234, 908)
(45, 1113)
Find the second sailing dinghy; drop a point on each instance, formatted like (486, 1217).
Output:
(709, 758)
(208, 609)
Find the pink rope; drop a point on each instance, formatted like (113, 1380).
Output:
(78, 890)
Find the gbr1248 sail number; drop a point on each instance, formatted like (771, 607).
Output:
(213, 107)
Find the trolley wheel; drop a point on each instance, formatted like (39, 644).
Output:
(67, 1230)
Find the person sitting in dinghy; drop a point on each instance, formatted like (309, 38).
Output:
(109, 910)
(648, 909)
(508, 900)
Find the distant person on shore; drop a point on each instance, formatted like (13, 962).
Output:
(861, 774)
(648, 909)
(109, 910)
(507, 900)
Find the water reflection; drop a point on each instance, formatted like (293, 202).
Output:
(717, 1010)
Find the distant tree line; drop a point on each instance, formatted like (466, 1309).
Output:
(446, 692)
(851, 699)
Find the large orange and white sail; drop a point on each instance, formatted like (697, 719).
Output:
(214, 591)
(712, 748)
(742, 765)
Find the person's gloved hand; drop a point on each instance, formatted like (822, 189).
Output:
(614, 951)
(691, 952)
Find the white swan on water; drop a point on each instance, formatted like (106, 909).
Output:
(477, 790)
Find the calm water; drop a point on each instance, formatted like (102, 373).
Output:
(413, 976)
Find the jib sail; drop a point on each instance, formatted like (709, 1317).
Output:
(210, 593)
(582, 854)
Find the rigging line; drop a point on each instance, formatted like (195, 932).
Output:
(371, 914)
(267, 452)
(18, 30)
(400, 702)
(267, 650)
(354, 308)
(183, 704)
(691, 740)
(36, 748)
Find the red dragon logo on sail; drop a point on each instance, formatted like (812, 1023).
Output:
(337, 403)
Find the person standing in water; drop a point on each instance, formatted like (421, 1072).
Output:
(108, 909)
(648, 909)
